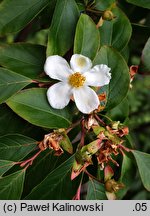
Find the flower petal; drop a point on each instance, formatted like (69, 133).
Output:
(57, 67)
(80, 63)
(98, 76)
(59, 95)
(86, 99)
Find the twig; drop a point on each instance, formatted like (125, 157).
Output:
(100, 120)
(93, 177)
(113, 161)
(82, 133)
(73, 126)
(94, 11)
(30, 160)
(124, 148)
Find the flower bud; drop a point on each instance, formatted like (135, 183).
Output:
(66, 144)
(98, 129)
(133, 72)
(82, 159)
(113, 186)
(90, 122)
(52, 141)
(113, 137)
(86, 155)
(102, 96)
(78, 168)
(94, 146)
(108, 173)
(123, 131)
(108, 15)
(115, 125)
(56, 141)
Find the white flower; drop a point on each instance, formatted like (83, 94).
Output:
(75, 80)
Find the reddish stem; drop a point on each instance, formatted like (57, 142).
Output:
(42, 84)
(82, 133)
(47, 84)
(26, 167)
(35, 81)
(30, 160)
(113, 161)
(124, 148)
(77, 196)
(123, 154)
(100, 120)
(92, 177)
(73, 126)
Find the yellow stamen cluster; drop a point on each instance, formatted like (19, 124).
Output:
(76, 80)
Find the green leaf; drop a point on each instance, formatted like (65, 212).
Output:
(16, 14)
(125, 53)
(87, 37)
(32, 105)
(140, 3)
(14, 147)
(119, 83)
(95, 191)
(25, 59)
(117, 32)
(127, 175)
(103, 4)
(11, 186)
(145, 61)
(10, 121)
(62, 29)
(57, 184)
(143, 162)
(10, 83)
(120, 112)
(5, 165)
(46, 162)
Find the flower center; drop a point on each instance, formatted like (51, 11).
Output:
(76, 80)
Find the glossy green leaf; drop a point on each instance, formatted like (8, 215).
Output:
(117, 32)
(95, 191)
(16, 14)
(10, 121)
(125, 53)
(120, 112)
(10, 83)
(57, 184)
(46, 162)
(11, 186)
(140, 3)
(25, 59)
(103, 4)
(32, 105)
(127, 175)
(145, 60)
(62, 29)
(140, 34)
(119, 83)
(87, 37)
(5, 165)
(143, 162)
(14, 147)
(47, 14)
